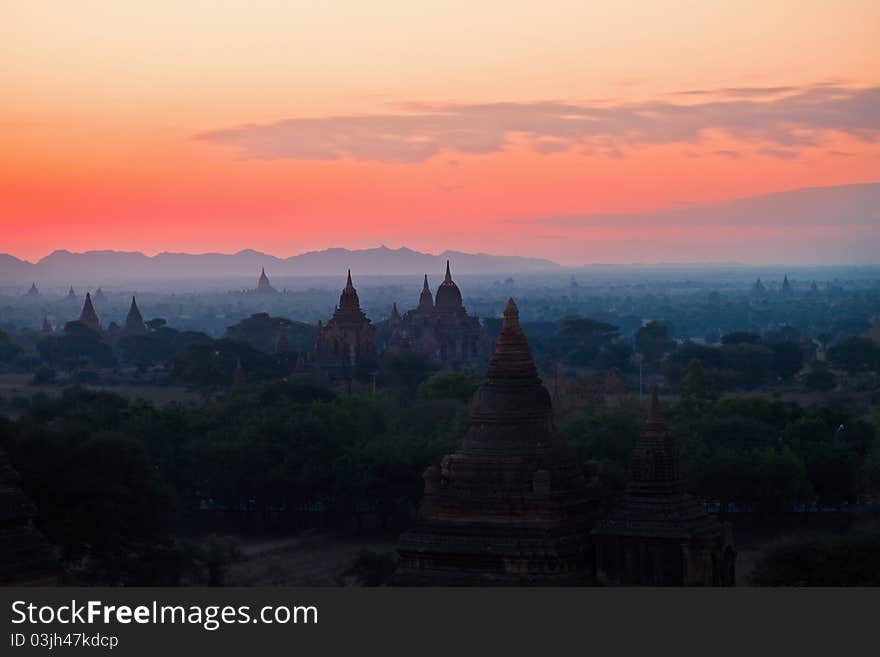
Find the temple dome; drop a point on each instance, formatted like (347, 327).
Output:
(448, 295)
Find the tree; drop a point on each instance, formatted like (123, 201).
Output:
(740, 337)
(855, 354)
(820, 380)
(787, 358)
(455, 385)
(693, 385)
(652, 340)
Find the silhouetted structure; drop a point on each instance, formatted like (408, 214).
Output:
(659, 535)
(345, 347)
(510, 506)
(88, 317)
(758, 288)
(71, 294)
(134, 321)
(26, 558)
(786, 287)
(100, 297)
(263, 285)
(440, 329)
(33, 292)
(47, 327)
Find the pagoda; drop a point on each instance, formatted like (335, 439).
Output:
(88, 317)
(658, 535)
(510, 506)
(345, 347)
(47, 327)
(134, 321)
(100, 297)
(70, 293)
(440, 329)
(786, 287)
(33, 292)
(263, 285)
(26, 558)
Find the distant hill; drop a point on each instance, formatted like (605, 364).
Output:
(63, 266)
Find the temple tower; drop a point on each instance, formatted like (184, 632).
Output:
(510, 505)
(134, 321)
(263, 285)
(426, 299)
(33, 291)
(345, 347)
(658, 535)
(88, 316)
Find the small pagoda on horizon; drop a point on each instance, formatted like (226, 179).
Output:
(263, 285)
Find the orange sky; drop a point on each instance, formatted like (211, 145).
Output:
(285, 127)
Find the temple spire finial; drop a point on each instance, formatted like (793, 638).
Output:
(348, 282)
(448, 278)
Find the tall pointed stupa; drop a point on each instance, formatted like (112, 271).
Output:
(100, 297)
(88, 316)
(426, 299)
(33, 291)
(263, 285)
(510, 505)
(134, 321)
(658, 535)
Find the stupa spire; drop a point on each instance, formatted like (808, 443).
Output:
(88, 316)
(448, 278)
(512, 357)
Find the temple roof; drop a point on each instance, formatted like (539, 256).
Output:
(448, 295)
(263, 284)
(426, 299)
(134, 321)
(88, 316)
(348, 300)
(33, 292)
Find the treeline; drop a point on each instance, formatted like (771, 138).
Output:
(120, 484)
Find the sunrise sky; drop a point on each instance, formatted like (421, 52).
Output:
(481, 126)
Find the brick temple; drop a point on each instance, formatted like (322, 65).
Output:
(345, 347)
(510, 506)
(439, 328)
(658, 535)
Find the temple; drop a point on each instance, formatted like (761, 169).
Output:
(758, 288)
(71, 294)
(263, 285)
(88, 316)
(345, 347)
(33, 291)
(134, 321)
(100, 297)
(510, 506)
(440, 329)
(786, 287)
(659, 535)
(26, 558)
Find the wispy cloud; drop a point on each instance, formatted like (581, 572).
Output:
(781, 125)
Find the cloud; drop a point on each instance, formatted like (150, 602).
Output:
(782, 126)
(733, 155)
(843, 208)
(779, 153)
